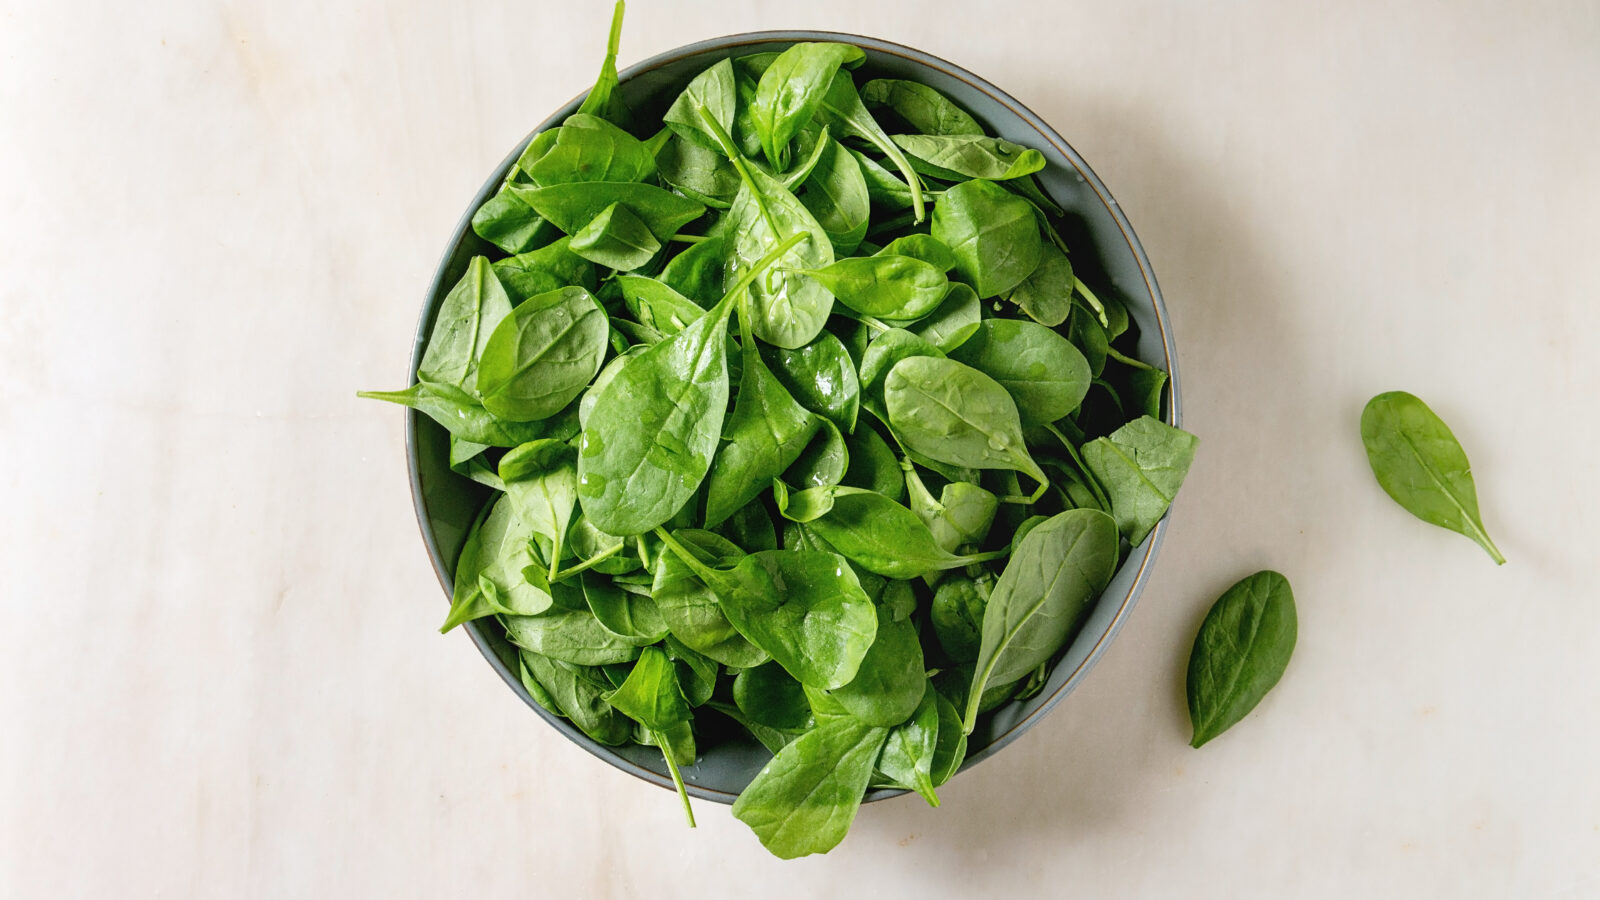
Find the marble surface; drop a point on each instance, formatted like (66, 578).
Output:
(217, 650)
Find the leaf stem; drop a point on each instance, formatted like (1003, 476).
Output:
(705, 572)
(677, 779)
(587, 564)
(683, 238)
(1117, 355)
(1094, 302)
(1088, 477)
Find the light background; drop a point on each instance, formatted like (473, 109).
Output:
(219, 675)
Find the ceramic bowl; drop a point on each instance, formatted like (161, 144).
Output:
(1104, 250)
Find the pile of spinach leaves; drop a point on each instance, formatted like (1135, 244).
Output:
(799, 416)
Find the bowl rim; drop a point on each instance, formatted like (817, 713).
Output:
(1152, 546)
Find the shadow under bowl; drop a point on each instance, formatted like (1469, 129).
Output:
(1104, 250)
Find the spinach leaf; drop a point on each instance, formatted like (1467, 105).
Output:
(589, 148)
(806, 609)
(488, 576)
(1046, 294)
(824, 460)
(883, 188)
(586, 402)
(887, 349)
(467, 317)
(873, 465)
(460, 413)
(616, 238)
(630, 616)
(542, 355)
(656, 305)
(891, 682)
(873, 531)
(651, 697)
(549, 268)
(957, 157)
(603, 99)
(509, 223)
(716, 91)
(577, 694)
(888, 287)
(570, 635)
(767, 695)
(1140, 466)
(925, 247)
(466, 458)
(766, 433)
(1040, 369)
(573, 205)
(992, 233)
(803, 801)
(690, 609)
(751, 527)
(950, 750)
(698, 172)
(696, 273)
(821, 377)
(836, 194)
(956, 614)
(922, 107)
(962, 514)
(541, 485)
(1047, 586)
(908, 754)
(791, 89)
(955, 414)
(1420, 464)
(953, 321)
(1241, 651)
(841, 110)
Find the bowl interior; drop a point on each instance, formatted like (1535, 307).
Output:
(1104, 250)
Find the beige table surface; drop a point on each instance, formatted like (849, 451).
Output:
(219, 675)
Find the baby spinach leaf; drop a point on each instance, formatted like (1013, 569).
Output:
(651, 697)
(603, 99)
(630, 616)
(803, 801)
(577, 695)
(509, 223)
(690, 609)
(955, 414)
(1420, 464)
(1140, 466)
(887, 349)
(950, 750)
(616, 238)
(1046, 294)
(541, 483)
(888, 287)
(824, 460)
(573, 205)
(589, 148)
(696, 273)
(460, 413)
(1047, 586)
(962, 514)
(821, 377)
(466, 458)
(992, 233)
(925, 247)
(953, 321)
(496, 551)
(656, 305)
(906, 760)
(549, 268)
(1241, 651)
(766, 433)
(883, 188)
(956, 615)
(841, 110)
(586, 402)
(836, 194)
(769, 696)
(570, 635)
(717, 92)
(922, 107)
(805, 609)
(873, 465)
(890, 684)
(1040, 369)
(873, 531)
(958, 157)
(467, 317)
(697, 673)
(790, 91)
(751, 527)
(598, 550)
(542, 355)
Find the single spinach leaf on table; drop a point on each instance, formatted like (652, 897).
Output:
(1047, 586)
(887, 287)
(577, 694)
(542, 355)
(791, 89)
(1240, 652)
(1419, 463)
(1040, 369)
(922, 107)
(1140, 466)
(957, 415)
(803, 801)
(821, 377)
(462, 327)
(992, 233)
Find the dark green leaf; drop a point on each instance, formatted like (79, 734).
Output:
(790, 91)
(908, 753)
(1140, 466)
(571, 206)
(955, 414)
(467, 317)
(1040, 369)
(888, 287)
(803, 801)
(577, 694)
(821, 377)
(1241, 651)
(616, 238)
(957, 157)
(992, 233)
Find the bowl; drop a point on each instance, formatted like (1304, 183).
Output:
(1104, 249)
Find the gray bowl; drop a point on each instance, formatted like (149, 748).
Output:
(1104, 249)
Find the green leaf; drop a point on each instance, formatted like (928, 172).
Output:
(467, 317)
(616, 238)
(951, 748)
(841, 110)
(541, 482)
(650, 695)
(1046, 294)
(821, 377)
(907, 758)
(1420, 464)
(1241, 651)
(571, 206)
(494, 555)
(953, 321)
(570, 635)
(873, 465)
(891, 682)
(823, 461)
(922, 107)
(962, 514)
(549, 268)
(887, 349)
(925, 247)
(509, 223)
(690, 609)
(630, 616)
(542, 355)
(835, 192)
(955, 414)
(578, 695)
(1047, 586)
(872, 531)
(791, 89)
(768, 695)
(657, 305)
(589, 148)
(1140, 466)
(888, 287)
(461, 414)
(956, 614)
(603, 99)
(714, 90)
(696, 273)
(803, 801)
(992, 233)
(958, 157)
(1040, 369)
